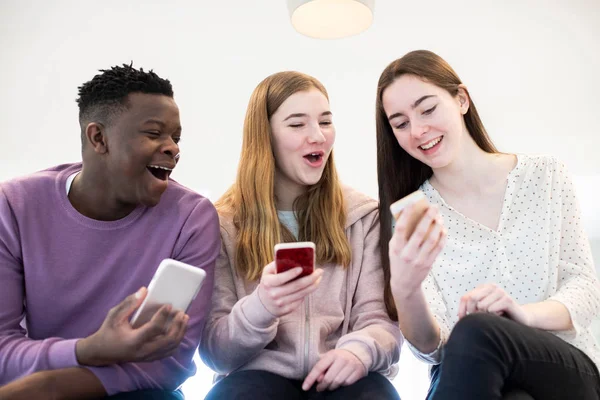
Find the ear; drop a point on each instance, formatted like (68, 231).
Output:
(95, 135)
(463, 99)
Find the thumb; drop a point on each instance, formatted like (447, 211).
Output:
(125, 308)
(270, 269)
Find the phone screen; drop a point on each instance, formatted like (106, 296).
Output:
(304, 257)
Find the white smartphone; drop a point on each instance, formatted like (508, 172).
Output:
(295, 254)
(175, 283)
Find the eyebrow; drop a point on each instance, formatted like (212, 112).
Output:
(160, 123)
(154, 121)
(416, 103)
(299, 115)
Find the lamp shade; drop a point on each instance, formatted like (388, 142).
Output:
(331, 19)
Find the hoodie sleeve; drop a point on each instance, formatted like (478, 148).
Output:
(373, 337)
(237, 329)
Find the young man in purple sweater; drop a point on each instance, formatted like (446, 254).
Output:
(78, 241)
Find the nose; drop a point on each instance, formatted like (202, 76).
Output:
(418, 129)
(315, 135)
(171, 148)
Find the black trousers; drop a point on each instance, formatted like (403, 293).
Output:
(491, 357)
(253, 384)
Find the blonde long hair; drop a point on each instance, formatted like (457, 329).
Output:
(250, 201)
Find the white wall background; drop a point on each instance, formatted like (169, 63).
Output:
(531, 66)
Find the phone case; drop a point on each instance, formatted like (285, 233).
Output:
(397, 207)
(417, 198)
(175, 283)
(297, 254)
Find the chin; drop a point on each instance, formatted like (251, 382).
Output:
(151, 200)
(438, 164)
(310, 181)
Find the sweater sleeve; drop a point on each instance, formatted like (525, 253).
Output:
(19, 355)
(199, 246)
(373, 337)
(237, 329)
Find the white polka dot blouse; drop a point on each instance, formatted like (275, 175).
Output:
(538, 252)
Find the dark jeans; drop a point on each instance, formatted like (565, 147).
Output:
(491, 357)
(265, 385)
(148, 395)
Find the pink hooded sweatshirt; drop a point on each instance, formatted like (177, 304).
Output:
(347, 310)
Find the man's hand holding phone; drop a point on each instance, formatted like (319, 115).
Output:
(118, 342)
(418, 238)
(287, 281)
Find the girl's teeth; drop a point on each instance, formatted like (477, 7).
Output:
(431, 144)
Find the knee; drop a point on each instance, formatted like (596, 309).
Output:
(474, 330)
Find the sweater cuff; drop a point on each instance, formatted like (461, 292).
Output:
(62, 354)
(256, 313)
(361, 351)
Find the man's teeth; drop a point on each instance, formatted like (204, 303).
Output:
(159, 167)
(429, 145)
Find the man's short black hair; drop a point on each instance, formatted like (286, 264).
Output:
(105, 96)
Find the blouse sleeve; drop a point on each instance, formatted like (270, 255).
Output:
(578, 288)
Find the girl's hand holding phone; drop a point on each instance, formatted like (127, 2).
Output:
(418, 238)
(282, 293)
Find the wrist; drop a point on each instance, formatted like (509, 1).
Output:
(404, 291)
(528, 316)
(261, 300)
(256, 311)
(85, 354)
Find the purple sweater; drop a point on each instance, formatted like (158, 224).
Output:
(62, 272)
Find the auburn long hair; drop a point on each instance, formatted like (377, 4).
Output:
(398, 173)
(251, 201)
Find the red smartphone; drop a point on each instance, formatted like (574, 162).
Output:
(296, 254)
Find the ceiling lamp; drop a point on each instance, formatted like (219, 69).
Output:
(331, 19)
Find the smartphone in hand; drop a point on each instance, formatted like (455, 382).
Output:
(296, 254)
(421, 205)
(175, 283)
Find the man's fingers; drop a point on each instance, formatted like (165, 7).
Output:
(125, 309)
(156, 326)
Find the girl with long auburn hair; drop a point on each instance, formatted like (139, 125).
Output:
(273, 336)
(496, 287)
